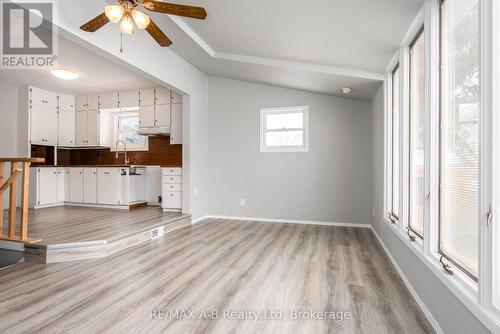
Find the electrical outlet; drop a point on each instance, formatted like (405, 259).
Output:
(242, 202)
(159, 199)
(373, 212)
(195, 191)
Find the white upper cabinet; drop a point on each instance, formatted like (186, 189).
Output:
(92, 127)
(176, 127)
(43, 125)
(147, 116)
(176, 98)
(147, 97)
(93, 102)
(162, 115)
(129, 99)
(108, 101)
(162, 95)
(66, 131)
(43, 98)
(81, 103)
(81, 128)
(67, 102)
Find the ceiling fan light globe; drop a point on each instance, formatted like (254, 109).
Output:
(114, 13)
(127, 25)
(140, 19)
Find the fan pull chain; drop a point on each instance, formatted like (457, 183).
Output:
(121, 42)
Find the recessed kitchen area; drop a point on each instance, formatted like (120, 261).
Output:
(110, 146)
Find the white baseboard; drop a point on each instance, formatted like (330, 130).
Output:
(417, 298)
(283, 221)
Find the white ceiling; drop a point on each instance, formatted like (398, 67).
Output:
(316, 45)
(97, 74)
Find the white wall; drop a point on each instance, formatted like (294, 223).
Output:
(329, 183)
(449, 312)
(8, 127)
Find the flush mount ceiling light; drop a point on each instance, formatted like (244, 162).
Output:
(64, 74)
(346, 90)
(129, 17)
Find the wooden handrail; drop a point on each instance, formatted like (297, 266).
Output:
(22, 159)
(11, 184)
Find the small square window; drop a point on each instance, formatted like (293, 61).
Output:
(126, 126)
(284, 129)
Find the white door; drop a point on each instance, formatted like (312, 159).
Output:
(90, 185)
(162, 115)
(61, 178)
(176, 126)
(66, 185)
(108, 101)
(81, 103)
(92, 127)
(66, 128)
(162, 95)
(147, 97)
(108, 186)
(47, 186)
(67, 102)
(81, 128)
(43, 98)
(93, 102)
(147, 116)
(43, 125)
(176, 98)
(129, 99)
(76, 185)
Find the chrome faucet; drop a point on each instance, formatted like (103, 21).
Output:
(124, 149)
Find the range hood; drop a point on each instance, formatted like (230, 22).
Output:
(154, 131)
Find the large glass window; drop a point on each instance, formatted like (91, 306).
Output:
(460, 101)
(417, 136)
(395, 146)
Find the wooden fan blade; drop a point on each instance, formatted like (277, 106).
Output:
(96, 23)
(158, 35)
(175, 9)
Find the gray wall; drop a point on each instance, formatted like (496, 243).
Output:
(452, 316)
(332, 182)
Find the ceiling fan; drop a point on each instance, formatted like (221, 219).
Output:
(127, 14)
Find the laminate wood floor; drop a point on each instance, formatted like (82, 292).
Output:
(72, 224)
(217, 265)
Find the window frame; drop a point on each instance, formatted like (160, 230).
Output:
(264, 112)
(115, 131)
(439, 170)
(421, 32)
(395, 218)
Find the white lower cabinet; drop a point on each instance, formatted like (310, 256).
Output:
(108, 186)
(47, 186)
(90, 185)
(61, 185)
(172, 189)
(76, 185)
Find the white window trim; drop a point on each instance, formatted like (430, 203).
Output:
(284, 149)
(114, 134)
(476, 296)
